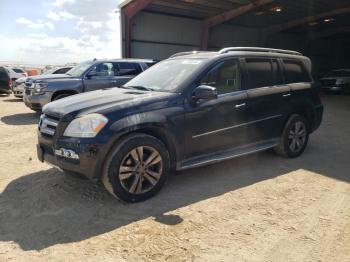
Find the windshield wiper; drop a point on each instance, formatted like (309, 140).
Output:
(139, 88)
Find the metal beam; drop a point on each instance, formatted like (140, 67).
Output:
(221, 18)
(278, 28)
(327, 33)
(129, 11)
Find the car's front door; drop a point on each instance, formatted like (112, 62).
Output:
(100, 76)
(218, 124)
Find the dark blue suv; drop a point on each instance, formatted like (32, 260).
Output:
(190, 110)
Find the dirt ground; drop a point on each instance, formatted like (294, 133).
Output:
(256, 208)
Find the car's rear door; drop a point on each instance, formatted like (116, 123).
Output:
(267, 95)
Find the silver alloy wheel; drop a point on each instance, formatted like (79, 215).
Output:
(297, 136)
(140, 170)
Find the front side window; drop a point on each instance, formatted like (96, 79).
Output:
(260, 73)
(103, 69)
(225, 77)
(295, 72)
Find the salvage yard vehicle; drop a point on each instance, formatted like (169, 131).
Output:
(337, 81)
(5, 81)
(20, 84)
(15, 72)
(187, 111)
(85, 77)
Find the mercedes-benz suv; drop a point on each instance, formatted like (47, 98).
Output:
(191, 110)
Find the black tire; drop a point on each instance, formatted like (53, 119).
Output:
(58, 97)
(285, 146)
(122, 152)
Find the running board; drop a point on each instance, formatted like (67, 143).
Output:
(227, 154)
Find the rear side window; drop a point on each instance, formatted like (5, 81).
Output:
(129, 69)
(295, 72)
(259, 73)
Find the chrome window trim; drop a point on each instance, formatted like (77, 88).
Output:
(235, 126)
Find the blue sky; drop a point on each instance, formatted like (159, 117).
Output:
(58, 31)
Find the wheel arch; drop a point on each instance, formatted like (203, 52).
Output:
(154, 130)
(61, 92)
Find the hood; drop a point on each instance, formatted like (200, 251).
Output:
(21, 80)
(49, 77)
(103, 101)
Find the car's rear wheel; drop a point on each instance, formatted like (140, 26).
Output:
(136, 168)
(294, 138)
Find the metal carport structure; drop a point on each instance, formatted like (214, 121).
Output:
(159, 28)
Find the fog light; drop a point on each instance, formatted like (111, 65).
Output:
(66, 153)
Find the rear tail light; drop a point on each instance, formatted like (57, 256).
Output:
(10, 82)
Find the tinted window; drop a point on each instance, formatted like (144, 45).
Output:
(277, 72)
(225, 77)
(260, 73)
(295, 72)
(132, 69)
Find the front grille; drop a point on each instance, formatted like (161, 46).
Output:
(29, 83)
(48, 125)
(328, 82)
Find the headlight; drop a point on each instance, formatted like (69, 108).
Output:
(86, 126)
(39, 88)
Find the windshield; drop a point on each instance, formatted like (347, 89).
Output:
(339, 73)
(79, 69)
(17, 70)
(166, 76)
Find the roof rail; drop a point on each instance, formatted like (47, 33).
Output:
(187, 53)
(258, 49)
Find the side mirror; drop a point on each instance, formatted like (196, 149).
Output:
(205, 93)
(91, 74)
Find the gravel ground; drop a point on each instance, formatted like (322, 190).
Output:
(256, 208)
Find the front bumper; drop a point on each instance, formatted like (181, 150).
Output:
(18, 90)
(36, 102)
(87, 159)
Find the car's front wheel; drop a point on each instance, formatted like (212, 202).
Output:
(136, 168)
(294, 138)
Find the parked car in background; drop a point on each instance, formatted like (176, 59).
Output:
(85, 77)
(16, 73)
(336, 81)
(5, 81)
(185, 112)
(19, 85)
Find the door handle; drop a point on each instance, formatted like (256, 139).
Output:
(240, 105)
(287, 95)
